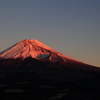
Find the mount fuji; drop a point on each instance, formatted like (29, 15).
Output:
(35, 49)
(30, 68)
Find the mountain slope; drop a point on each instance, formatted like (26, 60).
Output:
(35, 49)
(32, 48)
(31, 70)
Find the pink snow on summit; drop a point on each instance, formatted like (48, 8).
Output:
(35, 49)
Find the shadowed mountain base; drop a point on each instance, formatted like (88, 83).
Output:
(32, 79)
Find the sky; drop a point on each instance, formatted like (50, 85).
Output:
(71, 27)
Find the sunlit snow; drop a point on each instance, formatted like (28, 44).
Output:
(33, 48)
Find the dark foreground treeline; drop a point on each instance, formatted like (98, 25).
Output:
(32, 79)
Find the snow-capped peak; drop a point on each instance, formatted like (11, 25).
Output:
(32, 48)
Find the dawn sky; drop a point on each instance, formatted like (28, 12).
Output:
(72, 27)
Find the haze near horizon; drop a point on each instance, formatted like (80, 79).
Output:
(67, 26)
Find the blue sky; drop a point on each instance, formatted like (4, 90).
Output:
(71, 27)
